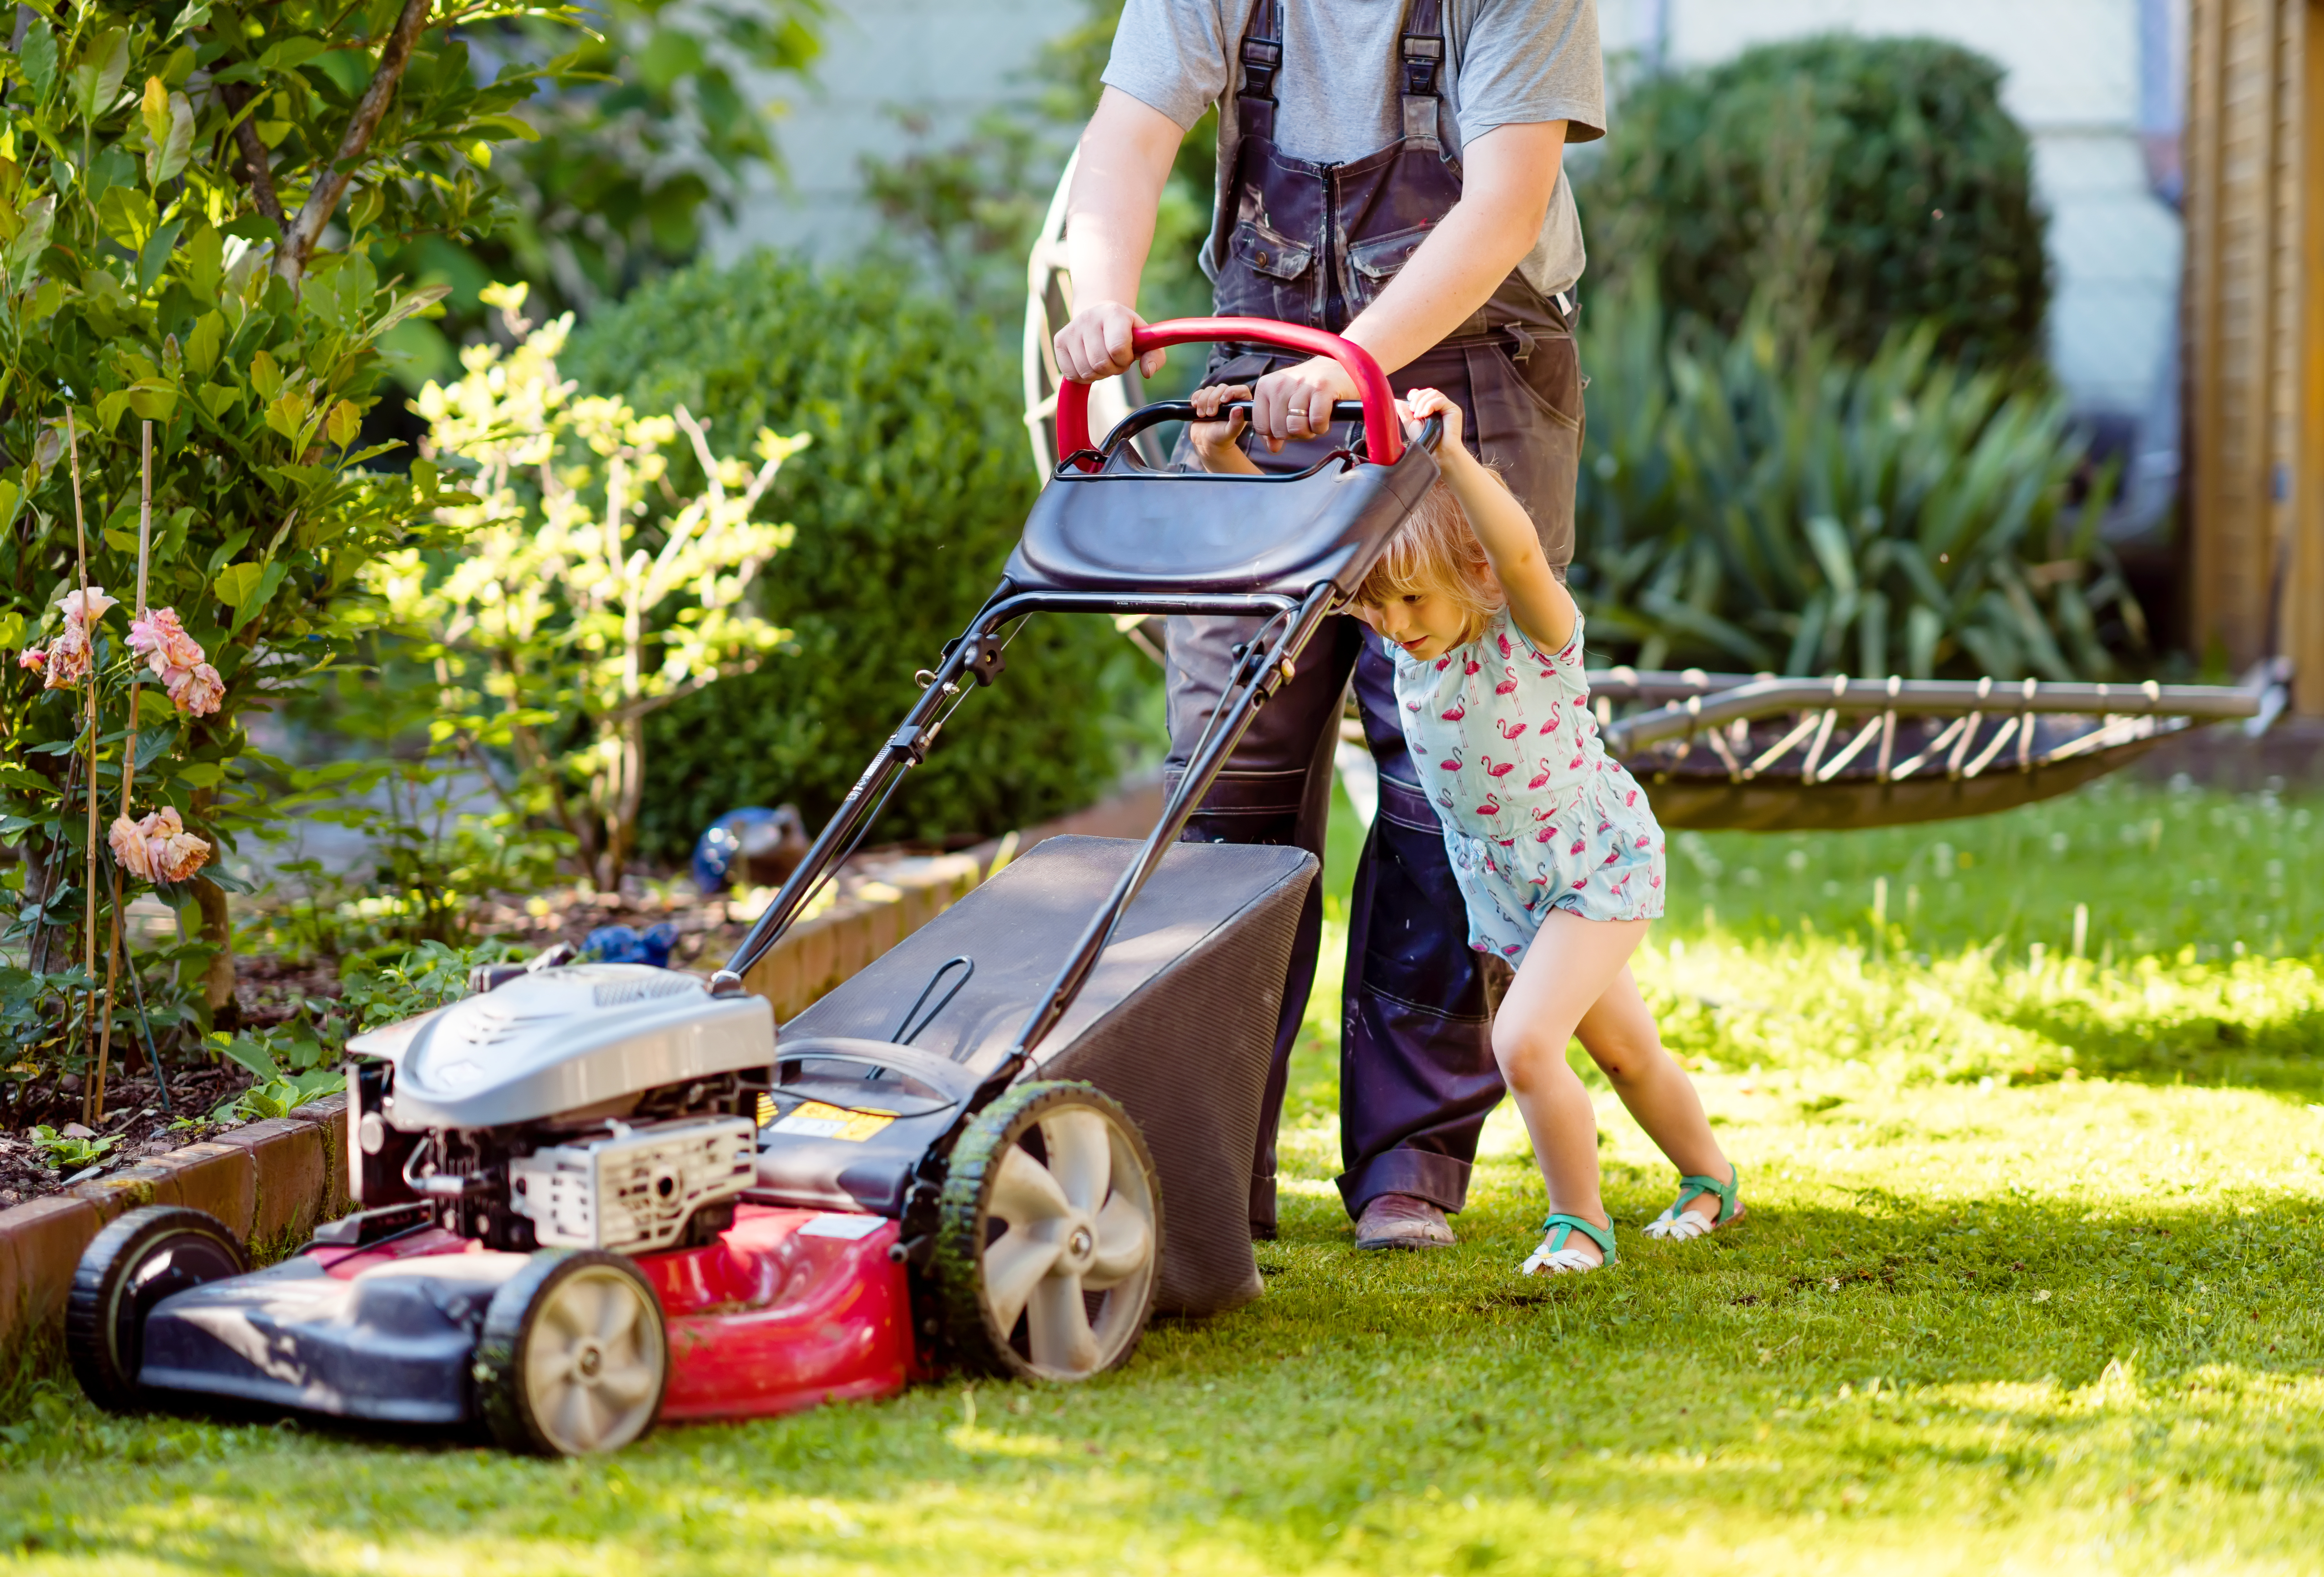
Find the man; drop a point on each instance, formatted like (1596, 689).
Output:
(1389, 171)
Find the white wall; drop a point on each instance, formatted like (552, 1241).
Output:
(2079, 78)
(946, 62)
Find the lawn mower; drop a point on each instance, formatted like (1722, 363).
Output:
(597, 1194)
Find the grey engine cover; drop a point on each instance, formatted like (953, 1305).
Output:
(558, 1042)
(1177, 1021)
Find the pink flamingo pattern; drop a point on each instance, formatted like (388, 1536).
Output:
(1523, 842)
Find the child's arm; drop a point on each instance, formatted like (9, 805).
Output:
(1540, 606)
(1214, 441)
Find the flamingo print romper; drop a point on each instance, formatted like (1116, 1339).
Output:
(1537, 816)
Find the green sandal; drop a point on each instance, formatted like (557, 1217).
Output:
(1679, 1224)
(1555, 1258)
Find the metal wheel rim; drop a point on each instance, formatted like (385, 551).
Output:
(593, 1362)
(1077, 1226)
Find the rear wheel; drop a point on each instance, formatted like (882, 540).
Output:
(144, 1256)
(1050, 1230)
(573, 1359)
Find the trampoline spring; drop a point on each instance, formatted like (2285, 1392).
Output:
(1887, 736)
(1960, 746)
(1783, 747)
(1823, 738)
(1906, 769)
(1984, 757)
(1725, 753)
(1854, 748)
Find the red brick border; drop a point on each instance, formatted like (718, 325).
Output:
(269, 1181)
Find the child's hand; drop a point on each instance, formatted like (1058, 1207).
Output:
(1419, 405)
(1214, 439)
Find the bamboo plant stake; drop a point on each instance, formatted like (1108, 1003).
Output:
(91, 1112)
(128, 769)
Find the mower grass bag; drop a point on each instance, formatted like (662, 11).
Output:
(1176, 1023)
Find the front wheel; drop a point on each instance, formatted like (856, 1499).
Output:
(130, 1267)
(573, 1358)
(1049, 1231)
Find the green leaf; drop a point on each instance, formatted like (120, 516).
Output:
(248, 1053)
(205, 261)
(176, 145)
(38, 58)
(203, 340)
(200, 774)
(235, 582)
(290, 53)
(265, 375)
(154, 109)
(97, 81)
(155, 257)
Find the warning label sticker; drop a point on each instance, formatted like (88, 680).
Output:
(815, 1120)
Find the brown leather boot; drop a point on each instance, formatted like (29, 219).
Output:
(1398, 1220)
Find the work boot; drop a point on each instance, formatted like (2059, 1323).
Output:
(1398, 1220)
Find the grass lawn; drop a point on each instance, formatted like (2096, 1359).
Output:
(2031, 1283)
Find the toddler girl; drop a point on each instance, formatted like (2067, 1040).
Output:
(1551, 842)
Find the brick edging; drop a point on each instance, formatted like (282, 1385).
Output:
(269, 1181)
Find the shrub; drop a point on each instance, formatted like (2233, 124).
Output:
(1865, 183)
(905, 503)
(189, 196)
(1745, 506)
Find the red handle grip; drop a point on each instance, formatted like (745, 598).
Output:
(1383, 434)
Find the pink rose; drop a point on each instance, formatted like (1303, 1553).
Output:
(98, 602)
(163, 640)
(195, 690)
(33, 658)
(68, 657)
(158, 848)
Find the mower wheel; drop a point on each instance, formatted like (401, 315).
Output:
(133, 1265)
(1048, 1233)
(574, 1355)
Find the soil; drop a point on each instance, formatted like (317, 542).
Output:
(135, 1119)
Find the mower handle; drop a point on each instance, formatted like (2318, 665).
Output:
(1383, 435)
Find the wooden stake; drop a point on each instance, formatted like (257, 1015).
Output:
(91, 1112)
(128, 765)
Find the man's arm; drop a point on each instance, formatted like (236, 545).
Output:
(1125, 154)
(1509, 177)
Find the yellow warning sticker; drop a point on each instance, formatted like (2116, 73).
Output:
(816, 1121)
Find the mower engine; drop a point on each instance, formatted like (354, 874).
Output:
(592, 1106)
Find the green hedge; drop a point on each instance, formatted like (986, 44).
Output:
(1867, 184)
(907, 504)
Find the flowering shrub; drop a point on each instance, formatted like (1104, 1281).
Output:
(189, 198)
(584, 587)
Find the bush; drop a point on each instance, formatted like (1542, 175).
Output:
(1747, 506)
(905, 502)
(1867, 183)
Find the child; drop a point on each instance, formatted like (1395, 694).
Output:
(1551, 840)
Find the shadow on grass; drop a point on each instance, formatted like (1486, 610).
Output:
(2280, 1054)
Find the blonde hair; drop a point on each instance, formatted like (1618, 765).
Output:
(1436, 550)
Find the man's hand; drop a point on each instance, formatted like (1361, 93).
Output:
(1296, 403)
(1096, 344)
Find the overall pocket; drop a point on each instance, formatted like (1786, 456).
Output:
(1267, 274)
(1374, 262)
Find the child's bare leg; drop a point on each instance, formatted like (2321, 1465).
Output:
(1569, 967)
(1620, 1033)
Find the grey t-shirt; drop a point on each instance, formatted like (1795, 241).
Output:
(1508, 62)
